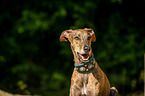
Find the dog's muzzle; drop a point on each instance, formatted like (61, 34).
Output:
(86, 48)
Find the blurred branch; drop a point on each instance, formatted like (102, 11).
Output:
(3, 93)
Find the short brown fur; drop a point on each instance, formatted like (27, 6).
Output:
(94, 83)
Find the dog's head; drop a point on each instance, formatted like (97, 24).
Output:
(80, 40)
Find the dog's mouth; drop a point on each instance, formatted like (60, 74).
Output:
(83, 57)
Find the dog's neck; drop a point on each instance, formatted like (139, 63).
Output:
(85, 67)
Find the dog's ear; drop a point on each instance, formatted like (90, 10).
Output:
(91, 32)
(65, 35)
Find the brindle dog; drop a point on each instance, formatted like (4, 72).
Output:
(88, 79)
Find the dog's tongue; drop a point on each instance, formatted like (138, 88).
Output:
(85, 55)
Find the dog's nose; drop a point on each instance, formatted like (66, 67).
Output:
(86, 48)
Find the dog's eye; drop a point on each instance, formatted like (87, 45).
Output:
(89, 38)
(77, 38)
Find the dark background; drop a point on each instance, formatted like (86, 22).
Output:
(34, 61)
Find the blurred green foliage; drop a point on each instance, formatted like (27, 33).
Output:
(34, 61)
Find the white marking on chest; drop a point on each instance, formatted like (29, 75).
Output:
(84, 90)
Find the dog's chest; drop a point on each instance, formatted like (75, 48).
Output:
(88, 85)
